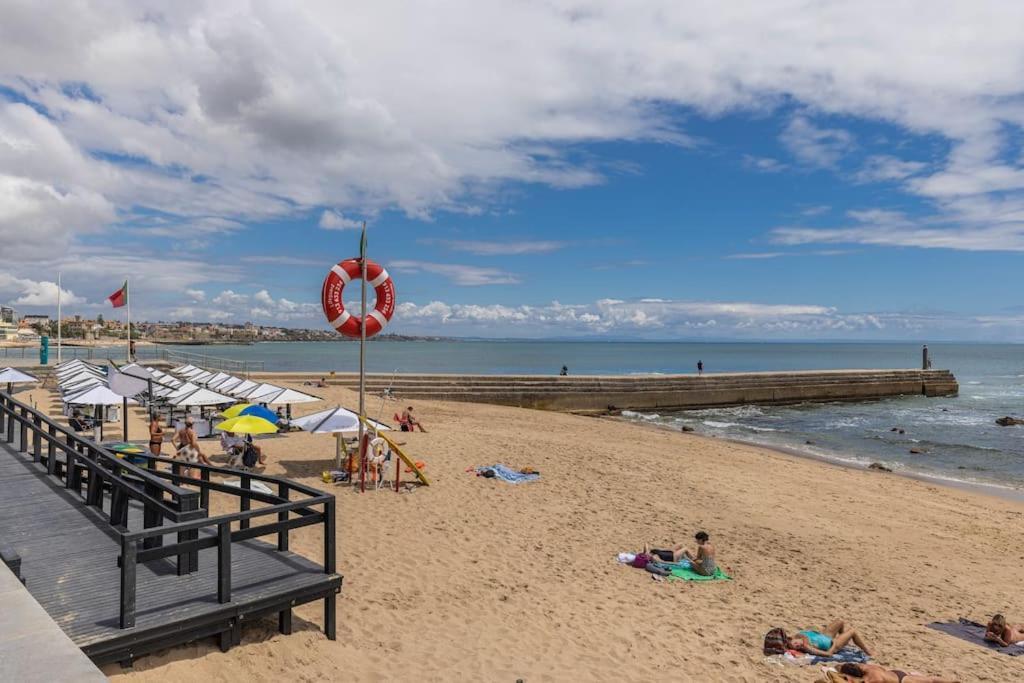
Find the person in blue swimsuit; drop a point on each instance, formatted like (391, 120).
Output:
(830, 641)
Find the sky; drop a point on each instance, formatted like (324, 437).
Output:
(765, 170)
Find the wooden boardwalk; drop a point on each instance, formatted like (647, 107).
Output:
(70, 559)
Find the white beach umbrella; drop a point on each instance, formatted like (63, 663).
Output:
(79, 387)
(82, 380)
(12, 376)
(334, 420)
(182, 369)
(96, 396)
(286, 397)
(194, 372)
(184, 390)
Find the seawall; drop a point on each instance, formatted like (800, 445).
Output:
(599, 394)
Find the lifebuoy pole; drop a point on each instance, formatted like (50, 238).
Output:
(362, 357)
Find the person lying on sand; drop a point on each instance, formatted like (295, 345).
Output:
(702, 560)
(1003, 634)
(825, 644)
(872, 673)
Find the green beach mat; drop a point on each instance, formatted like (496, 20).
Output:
(690, 575)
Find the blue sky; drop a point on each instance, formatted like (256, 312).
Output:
(644, 173)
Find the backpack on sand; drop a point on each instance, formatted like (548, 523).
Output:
(775, 642)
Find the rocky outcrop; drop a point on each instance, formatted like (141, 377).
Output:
(1009, 421)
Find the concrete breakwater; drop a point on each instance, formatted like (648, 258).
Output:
(600, 394)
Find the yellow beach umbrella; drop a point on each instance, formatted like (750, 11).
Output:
(235, 410)
(247, 424)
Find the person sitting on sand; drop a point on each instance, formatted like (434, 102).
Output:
(830, 641)
(257, 449)
(77, 422)
(702, 561)
(410, 423)
(872, 673)
(1003, 634)
(232, 445)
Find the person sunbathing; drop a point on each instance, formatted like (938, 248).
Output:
(1003, 634)
(872, 673)
(702, 560)
(825, 644)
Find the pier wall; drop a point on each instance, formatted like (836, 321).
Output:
(597, 394)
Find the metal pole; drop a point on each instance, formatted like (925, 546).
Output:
(124, 419)
(128, 307)
(362, 359)
(60, 337)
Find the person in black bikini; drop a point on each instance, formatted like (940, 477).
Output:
(872, 673)
(156, 434)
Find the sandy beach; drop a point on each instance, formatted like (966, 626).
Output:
(473, 579)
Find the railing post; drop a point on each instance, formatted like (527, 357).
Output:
(151, 516)
(331, 601)
(224, 562)
(129, 552)
(37, 438)
(245, 502)
(51, 448)
(204, 492)
(188, 562)
(3, 413)
(23, 437)
(282, 536)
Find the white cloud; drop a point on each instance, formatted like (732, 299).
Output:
(230, 299)
(27, 292)
(459, 274)
(818, 147)
(486, 248)
(233, 111)
(332, 220)
(763, 164)
(196, 295)
(668, 319)
(882, 167)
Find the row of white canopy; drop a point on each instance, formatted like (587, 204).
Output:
(84, 383)
(239, 389)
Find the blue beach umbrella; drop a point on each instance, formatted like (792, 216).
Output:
(260, 411)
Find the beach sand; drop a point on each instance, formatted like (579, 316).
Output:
(474, 579)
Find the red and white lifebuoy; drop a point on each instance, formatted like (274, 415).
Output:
(334, 305)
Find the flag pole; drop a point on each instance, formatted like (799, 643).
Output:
(128, 314)
(60, 336)
(362, 361)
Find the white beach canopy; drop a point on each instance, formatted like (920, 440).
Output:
(12, 376)
(201, 397)
(184, 369)
(124, 384)
(216, 379)
(254, 396)
(287, 397)
(239, 390)
(228, 384)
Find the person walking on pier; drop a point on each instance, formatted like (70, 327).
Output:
(700, 367)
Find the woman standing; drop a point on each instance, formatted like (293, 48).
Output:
(156, 434)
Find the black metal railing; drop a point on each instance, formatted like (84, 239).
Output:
(170, 504)
(202, 360)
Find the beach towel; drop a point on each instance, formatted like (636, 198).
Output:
(508, 474)
(687, 574)
(973, 632)
(847, 654)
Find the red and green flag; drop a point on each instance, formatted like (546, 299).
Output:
(120, 297)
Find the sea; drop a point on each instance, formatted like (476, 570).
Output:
(957, 437)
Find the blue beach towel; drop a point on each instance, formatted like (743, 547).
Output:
(507, 474)
(847, 654)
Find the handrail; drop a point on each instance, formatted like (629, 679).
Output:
(186, 518)
(202, 359)
(73, 445)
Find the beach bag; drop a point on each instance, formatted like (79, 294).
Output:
(249, 458)
(775, 642)
(641, 560)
